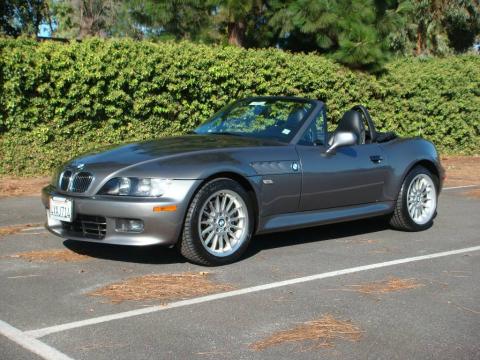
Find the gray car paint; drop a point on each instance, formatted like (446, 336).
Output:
(291, 185)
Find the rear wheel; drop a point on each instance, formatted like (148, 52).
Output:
(218, 225)
(416, 205)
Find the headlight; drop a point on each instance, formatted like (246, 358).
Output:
(127, 186)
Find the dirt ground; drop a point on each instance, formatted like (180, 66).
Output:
(17, 186)
(461, 170)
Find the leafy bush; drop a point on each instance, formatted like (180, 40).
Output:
(60, 100)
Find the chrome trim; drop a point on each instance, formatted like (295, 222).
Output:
(61, 179)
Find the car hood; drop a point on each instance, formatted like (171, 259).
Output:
(118, 157)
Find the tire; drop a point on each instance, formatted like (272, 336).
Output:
(423, 203)
(217, 233)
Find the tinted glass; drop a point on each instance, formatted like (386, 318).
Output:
(272, 119)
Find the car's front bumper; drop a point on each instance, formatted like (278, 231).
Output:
(161, 227)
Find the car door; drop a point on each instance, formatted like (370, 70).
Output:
(353, 175)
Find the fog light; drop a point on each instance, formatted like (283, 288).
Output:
(129, 225)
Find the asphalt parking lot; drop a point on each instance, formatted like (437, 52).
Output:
(285, 280)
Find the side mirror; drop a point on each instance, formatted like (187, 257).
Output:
(339, 139)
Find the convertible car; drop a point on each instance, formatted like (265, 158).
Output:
(260, 165)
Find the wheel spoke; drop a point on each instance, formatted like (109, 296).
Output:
(212, 209)
(220, 243)
(228, 245)
(222, 205)
(424, 186)
(230, 204)
(231, 212)
(207, 229)
(214, 244)
(209, 238)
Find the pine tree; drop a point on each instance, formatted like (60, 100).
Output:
(179, 19)
(344, 29)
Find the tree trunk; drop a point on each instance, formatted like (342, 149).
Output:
(85, 27)
(421, 40)
(418, 49)
(236, 33)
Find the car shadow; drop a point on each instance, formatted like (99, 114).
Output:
(134, 254)
(314, 234)
(163, 255)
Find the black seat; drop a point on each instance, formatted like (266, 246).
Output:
(352, 122)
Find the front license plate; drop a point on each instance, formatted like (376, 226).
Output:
(61, 209)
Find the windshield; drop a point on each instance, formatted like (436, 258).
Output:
(276, 119)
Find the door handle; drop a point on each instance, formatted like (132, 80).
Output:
(376, 158)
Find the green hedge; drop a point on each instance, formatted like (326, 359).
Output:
(60, 100)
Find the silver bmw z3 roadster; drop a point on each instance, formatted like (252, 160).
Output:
(260, 165)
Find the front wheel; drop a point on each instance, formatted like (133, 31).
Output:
(218, 225)
(416, 205)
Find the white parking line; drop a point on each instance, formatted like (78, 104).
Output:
(460, 187)
(35, 346)
(127, 314)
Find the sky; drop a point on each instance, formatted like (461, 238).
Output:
(44, 30)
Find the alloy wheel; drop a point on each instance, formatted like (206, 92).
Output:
(223, 223)
(421, 199)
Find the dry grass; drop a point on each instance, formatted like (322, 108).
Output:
(13, 186)
(462, 170)
(386, 286)
(473, 193)
(163, 287)
(322, 333)
(54, 255)
(14, 229)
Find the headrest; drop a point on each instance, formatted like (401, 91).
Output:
(352, 121)
(296, 117)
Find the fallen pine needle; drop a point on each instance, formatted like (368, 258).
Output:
(386, 286)
(14, 229)
(321, 332)
(162, 287)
